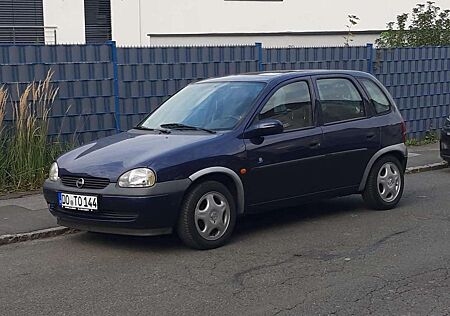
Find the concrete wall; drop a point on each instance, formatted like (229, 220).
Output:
(132, 20)
(220, 16)
(68, 17)
(126, 22)
(267, 40)
(198, 16)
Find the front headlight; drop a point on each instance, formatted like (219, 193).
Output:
(53, 172)
(137, 178)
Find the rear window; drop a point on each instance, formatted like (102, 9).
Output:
(377, 96)
(339, 100)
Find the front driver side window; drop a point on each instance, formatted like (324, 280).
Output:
(291, 105)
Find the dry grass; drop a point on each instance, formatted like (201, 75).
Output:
(3, 99)
(26, 150)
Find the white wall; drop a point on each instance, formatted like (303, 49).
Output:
(219, 16)
(126, 22)
(68, 17)
(267, 40)
(132, 20)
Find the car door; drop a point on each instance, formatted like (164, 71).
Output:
(285, 165)
(350, 136)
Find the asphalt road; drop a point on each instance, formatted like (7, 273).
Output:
(333, 257)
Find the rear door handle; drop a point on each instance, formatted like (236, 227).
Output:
(370, 135)
(314, 145)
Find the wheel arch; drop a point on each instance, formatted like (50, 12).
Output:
(399, 151)
(227, 177)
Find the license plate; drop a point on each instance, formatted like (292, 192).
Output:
(77, 202)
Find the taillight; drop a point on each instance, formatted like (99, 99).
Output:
(403, 131)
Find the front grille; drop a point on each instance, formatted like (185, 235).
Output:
(103, 215)
(89, 183)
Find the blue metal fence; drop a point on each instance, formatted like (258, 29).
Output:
(84, 76)
(417, 78)
(351, 58)
(148, 76)
(419, 81)
(104, 89)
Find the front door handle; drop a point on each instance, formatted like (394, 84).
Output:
(314, 145)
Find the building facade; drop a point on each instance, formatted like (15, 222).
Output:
(198, 22)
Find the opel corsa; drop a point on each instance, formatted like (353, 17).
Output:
(226, 147)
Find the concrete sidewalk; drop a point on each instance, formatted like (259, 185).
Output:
(423, 155)
(27, 217)
(24, 215)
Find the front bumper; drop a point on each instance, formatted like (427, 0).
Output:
(127, 211)
(445, 144)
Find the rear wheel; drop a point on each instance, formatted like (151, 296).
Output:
(208, 216)
(384, 187)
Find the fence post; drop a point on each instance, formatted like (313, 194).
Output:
(116, 84)
(260, 56)
(370, 60)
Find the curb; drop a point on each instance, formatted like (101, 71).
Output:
(38, 234)
(18, 195)
(430, 167)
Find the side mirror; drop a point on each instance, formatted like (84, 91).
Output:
(264, 128)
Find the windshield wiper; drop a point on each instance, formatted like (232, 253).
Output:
(180, 126)
(143, 128)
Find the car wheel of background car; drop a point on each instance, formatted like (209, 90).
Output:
(207, 217)
(384, 187)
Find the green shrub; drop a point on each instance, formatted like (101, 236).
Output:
(427, 25)
(431, 137)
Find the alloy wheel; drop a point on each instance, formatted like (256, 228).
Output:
(212, 215)
(389, 182)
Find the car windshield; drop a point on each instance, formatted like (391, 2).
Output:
(208, 106)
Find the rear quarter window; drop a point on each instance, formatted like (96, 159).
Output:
(379, 99)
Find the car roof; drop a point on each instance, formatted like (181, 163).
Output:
(281, 75)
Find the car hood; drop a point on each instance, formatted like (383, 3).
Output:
(110, 157)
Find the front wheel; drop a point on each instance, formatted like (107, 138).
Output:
(207, 217)
(384, 187)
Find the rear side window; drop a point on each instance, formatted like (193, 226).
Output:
(291, 105)
(340, 100)
(379, 99)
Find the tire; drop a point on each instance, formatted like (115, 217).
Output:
(207, 217)
(385, 184)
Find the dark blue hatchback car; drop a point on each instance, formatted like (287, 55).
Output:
(226, 147)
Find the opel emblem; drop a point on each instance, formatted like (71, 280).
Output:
(80, 183)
